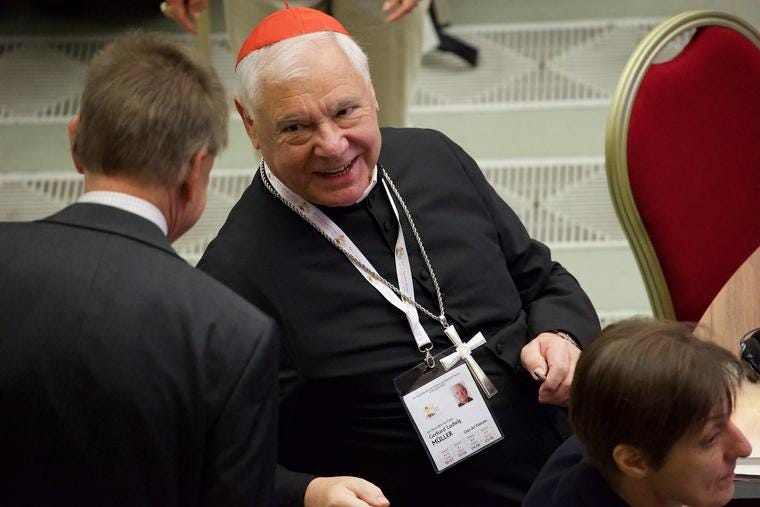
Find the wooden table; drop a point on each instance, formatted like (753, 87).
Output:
(734, 312)
(736, 308)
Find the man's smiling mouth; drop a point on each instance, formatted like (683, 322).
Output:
(339, 171)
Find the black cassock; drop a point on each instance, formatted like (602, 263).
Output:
(344, 343)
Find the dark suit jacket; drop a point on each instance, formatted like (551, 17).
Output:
(343, 343)
(567, 480)
(127, 377)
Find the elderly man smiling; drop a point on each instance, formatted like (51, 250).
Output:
(376, 249)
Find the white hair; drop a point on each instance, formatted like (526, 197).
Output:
(286, 59)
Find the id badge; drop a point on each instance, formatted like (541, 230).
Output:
(448, 412)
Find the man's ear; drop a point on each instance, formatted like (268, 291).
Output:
(247, 122)
(73, 126)
(374, 98)
(631, 461)
(196, 180)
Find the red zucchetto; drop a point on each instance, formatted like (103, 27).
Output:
(287, 23)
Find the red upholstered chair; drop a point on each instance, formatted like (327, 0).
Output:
(683, 158)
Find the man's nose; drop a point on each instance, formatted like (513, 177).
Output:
(332, 141)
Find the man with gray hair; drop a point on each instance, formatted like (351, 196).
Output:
(127, 377)
(375, 249)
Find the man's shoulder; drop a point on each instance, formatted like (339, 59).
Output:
(211, 292)
(403, 147)
(16, 228)
(146, 266)
(409, 134)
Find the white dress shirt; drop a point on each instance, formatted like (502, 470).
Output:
(129, 203)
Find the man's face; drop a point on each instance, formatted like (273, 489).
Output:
(699, 469)
(319, 134)
(460, 393)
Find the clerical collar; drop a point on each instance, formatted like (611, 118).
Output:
(129, 203)
(372, 182)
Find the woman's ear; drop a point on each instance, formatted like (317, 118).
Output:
(631, 461)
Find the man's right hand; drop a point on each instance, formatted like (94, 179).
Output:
(343, 491)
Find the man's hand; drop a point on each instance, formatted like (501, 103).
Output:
(343, 492)
(185, 12)
(397, 9)
(550, 355)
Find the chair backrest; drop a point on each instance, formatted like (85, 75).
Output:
(683, 158)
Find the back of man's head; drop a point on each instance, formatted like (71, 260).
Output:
(646, 384)
(148, 106)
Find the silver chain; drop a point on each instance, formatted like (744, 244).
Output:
(373, 274)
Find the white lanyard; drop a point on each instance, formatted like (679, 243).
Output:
(401, 297)
(324, 224)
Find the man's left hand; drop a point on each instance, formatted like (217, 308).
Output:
(554, 357)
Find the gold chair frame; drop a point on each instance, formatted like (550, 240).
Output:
(616, 143)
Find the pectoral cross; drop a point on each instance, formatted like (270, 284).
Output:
(464, 353)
